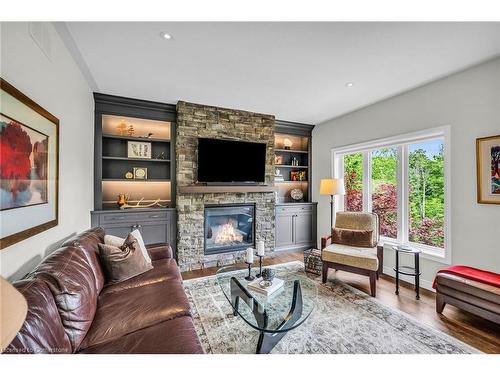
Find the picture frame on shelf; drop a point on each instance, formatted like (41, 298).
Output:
(278, 159)
(140, 173)
(139, 150)
(488, 169)
(298, 176)
(29, 168)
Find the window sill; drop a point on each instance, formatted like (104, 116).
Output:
(428, 252)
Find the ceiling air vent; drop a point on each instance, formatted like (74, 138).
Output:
(40, 33)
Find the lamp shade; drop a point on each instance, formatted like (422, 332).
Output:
(13, 309)
(332, 186)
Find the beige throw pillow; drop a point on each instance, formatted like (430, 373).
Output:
(124, 262)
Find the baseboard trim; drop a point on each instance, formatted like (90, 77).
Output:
(426, 284)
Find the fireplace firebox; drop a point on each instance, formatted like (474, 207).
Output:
(229, 228)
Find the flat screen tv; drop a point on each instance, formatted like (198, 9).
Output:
(232, 162)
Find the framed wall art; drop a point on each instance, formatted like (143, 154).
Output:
(488, 169)
(141, 150)
(29, 167)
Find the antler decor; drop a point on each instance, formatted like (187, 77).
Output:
(139, 205)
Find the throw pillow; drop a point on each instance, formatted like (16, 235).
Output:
(122, 263)
(353, 237)
(118, 241)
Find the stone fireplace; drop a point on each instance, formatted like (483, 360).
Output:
(229, 228)
(195, 247)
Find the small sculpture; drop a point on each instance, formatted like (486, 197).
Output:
(131, 130)
(122, 127)
(268, 274)
(122, 200)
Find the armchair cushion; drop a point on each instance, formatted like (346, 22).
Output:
(359, 257)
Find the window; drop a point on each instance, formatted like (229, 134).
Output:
(384, 189)
(403, 180)
(353, 177)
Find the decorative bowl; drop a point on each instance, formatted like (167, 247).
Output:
(268, 274)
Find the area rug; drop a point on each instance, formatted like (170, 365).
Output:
(344, 320)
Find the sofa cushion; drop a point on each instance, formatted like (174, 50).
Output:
(71, 279)
(42, 330)
(360, 257)
(124, 262)
(88, 241)
(163, 270)
(175, 336)
(130, 310)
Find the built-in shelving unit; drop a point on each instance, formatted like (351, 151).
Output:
(292, 149)
(122, 125)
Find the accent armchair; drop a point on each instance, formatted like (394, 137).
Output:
(352, 257)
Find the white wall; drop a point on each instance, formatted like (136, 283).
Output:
(60, 88)
(469, 102)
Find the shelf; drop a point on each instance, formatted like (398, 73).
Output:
(291, 166)
(137, 180)
(138, 139)
(291, 151)
(203, 189)
(135, 159)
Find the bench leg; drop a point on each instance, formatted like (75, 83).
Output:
(324, 274)
(373, 283)
(440, 303)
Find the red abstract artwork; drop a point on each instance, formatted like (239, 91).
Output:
(23, 165)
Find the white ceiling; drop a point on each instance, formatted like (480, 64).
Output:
(296, 71)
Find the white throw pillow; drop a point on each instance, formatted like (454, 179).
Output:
(118, 241)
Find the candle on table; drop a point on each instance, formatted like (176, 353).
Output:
(249, 255)
(260, 248)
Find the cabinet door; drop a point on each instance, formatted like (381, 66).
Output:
(303, 227)
(284, 230)
(155, 232)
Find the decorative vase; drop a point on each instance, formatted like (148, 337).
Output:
(122, 199)
(268, 274)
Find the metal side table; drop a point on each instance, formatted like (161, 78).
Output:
(406, 270)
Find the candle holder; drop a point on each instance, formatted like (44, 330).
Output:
(249, 277)
(260, 265)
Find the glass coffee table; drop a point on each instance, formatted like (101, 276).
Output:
(272, 316)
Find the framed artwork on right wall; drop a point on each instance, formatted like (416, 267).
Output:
(488, 169)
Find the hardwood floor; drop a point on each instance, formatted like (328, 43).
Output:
(475, 331)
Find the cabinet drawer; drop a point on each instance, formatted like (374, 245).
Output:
(294, 208)
(132, 217)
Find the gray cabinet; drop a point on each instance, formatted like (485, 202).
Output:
(295, 226)
(156, 225)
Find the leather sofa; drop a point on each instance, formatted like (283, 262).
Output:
(72, 310)
(473, 296)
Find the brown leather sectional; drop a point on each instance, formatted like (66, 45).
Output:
(72, 310)
(472, 296)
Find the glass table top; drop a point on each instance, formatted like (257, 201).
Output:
(283, 310)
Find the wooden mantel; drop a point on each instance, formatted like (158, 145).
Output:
(204, 189)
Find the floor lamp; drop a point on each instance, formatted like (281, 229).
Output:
(331, 187)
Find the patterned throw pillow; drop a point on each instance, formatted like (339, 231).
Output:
(122, 263)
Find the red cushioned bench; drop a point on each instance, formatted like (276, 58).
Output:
(471, 289)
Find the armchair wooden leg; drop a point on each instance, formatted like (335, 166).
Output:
(440, 303)
(324, 274)
(373, 283)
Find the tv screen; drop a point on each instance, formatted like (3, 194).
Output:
(231, 161)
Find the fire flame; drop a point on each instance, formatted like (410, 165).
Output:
(227, 234)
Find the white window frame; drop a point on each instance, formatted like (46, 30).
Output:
(401, 142)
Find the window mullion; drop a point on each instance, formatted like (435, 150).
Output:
(403, 210)
(367, 173)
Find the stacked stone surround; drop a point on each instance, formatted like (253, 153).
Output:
(194, 121)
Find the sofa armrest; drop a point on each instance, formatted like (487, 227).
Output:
(324, 241)
(159, 251)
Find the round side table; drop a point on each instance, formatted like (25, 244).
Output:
(406, 270)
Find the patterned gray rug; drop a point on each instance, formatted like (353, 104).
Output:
(344, 320)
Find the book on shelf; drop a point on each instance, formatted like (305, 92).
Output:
(276, 285)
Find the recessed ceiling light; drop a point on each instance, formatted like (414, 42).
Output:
(166, 35)
(349, 84)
